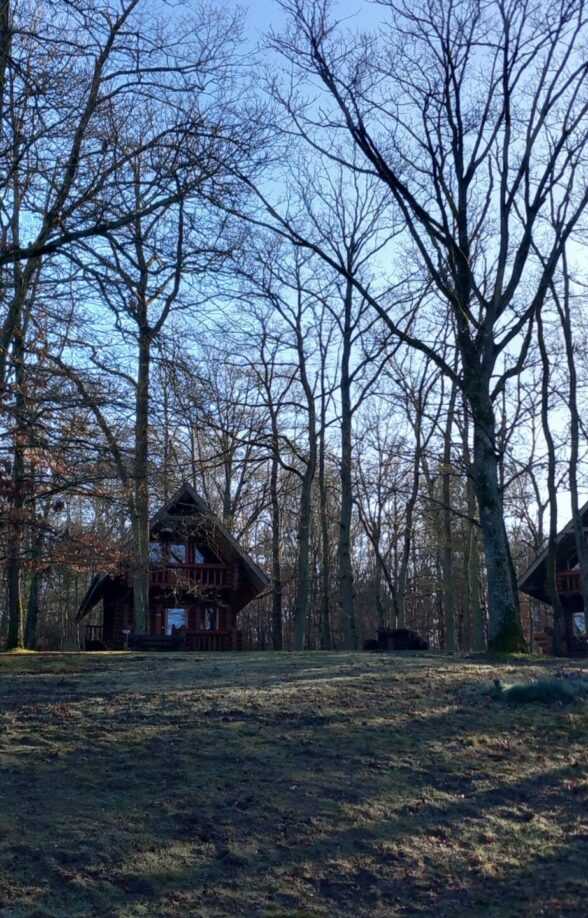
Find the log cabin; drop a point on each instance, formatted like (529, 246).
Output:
(199, 580)
(534, 583)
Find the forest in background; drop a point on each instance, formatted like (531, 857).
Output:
(336, 283)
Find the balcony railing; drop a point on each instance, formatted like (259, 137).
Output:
(209, 576)
(568, 582)
(93, 634)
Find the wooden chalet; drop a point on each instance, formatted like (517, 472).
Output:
(200, 579)
(534, 583)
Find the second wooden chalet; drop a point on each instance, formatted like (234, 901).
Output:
(534, 583)
(200, 579)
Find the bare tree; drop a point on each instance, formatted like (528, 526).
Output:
(440, 107)
(100, 135)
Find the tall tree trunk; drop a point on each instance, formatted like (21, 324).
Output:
(141, 488)
(303, 562)
(563, 307)
(15, 638)
(303, 535)
(325, 630)
(227, 454)
(474, 611)
(277, 636)
(409, 515)
(558, 611)
(446, 528)
(165, 478)
(380, 610)
(30, 636)
(345, 565)
(504, 611)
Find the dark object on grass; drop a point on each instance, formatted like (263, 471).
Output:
(371, 644)
(396, 639)
(546, 691)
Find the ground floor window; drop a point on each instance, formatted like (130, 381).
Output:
(210, 618)
(156, 552)
(175, 619)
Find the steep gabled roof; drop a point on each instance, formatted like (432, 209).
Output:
(532, 581)
(94, 594)
(227, 541)
(188, 506)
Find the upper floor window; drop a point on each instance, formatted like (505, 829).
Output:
(156, 552)
(198, 555)
(177, 553)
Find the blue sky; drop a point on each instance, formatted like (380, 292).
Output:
(261, 14)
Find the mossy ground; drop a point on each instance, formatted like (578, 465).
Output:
(278, 785)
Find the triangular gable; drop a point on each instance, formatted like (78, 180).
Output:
(532, 581)
(185, 495)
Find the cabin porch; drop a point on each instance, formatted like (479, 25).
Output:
(199, 641)
(575, 638)
(178, 622)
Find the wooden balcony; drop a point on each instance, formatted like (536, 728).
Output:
(568, 582)
(207, 576)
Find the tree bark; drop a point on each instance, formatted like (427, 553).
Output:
(563, 307)
(504, 612)
(474, 609)
(558, 611)
(304, 520)
(409, 515)
(303, 563)
(15, 637)
(446, 528)
(325, 604)
(277, 617)
(141, 487)
(345, 518)
(38, 541)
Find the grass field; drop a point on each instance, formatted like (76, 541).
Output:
(286, 785)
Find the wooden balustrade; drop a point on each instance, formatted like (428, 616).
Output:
(568, 582)
(93, 634)
(209, 576)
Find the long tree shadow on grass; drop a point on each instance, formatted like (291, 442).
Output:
(222, 823)
(217, 800)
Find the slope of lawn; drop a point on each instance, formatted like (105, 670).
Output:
(287, 785)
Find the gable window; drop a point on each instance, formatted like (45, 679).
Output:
(156, 552)
(198, 555)
(177, 553)
(174, 620)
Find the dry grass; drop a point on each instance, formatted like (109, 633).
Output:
(286, 785)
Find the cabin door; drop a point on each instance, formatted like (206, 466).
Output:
(175, 619)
